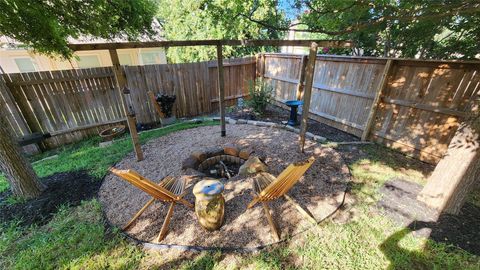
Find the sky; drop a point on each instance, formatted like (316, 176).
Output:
(286, 6)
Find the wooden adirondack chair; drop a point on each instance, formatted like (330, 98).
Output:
(170, 190)
(268, 188)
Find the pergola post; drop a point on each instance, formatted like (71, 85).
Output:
(307, 92)
(221, 89)
(121, 82)
(301, 78)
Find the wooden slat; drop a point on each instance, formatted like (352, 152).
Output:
(166, 222)
(230, 97)
(377, 99)
(242, 63)
(137, 215)
(425, 107)
(70, 130)
(273, 227)
(65, 79)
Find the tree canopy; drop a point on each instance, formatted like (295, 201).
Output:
(218, 19)
(46, 25)
(404, 28)
(396, 28)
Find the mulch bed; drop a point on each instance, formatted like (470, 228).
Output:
(277, 115)
(62, 189)
(399, 203)
(320, 191)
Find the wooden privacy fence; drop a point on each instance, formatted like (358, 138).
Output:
(194, 84)
(419, 106)
(69, 104)
(75, 104)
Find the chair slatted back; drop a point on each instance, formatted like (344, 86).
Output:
(286, 180)
(150, 187)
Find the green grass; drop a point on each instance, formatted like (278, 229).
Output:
(76, 238)
(373, 242)
(86, 155)
(3, 183)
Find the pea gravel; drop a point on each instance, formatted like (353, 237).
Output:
(320, 191)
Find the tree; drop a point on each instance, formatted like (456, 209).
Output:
(46, 25)
(17, 169)
(458, 172)
(217, 19)
(407, 28)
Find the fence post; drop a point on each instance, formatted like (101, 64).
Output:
(301, 78)
(309, 74)
(373, 110)
(221, 89)
(260, 65)
(121, 82)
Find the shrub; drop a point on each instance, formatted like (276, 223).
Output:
(260, 96)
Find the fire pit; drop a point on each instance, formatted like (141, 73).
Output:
(222, 166)
(220, 163)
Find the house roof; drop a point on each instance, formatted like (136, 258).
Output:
(11, 43)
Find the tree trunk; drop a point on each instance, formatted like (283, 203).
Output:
(19, 172)
(457, 173)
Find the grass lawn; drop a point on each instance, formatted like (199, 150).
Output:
(77, 238)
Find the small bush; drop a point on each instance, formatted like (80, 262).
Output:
(260, 96)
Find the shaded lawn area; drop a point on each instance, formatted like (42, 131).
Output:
(87, 156)
(359, 237)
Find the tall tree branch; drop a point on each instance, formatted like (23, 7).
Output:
(447, 11)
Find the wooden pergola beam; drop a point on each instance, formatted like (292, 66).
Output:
(184, 43)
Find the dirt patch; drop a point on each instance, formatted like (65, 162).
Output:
(277, 115)
(320, 191)
(399, 203)
(62, 188)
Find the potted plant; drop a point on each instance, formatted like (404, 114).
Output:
(166, 103)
